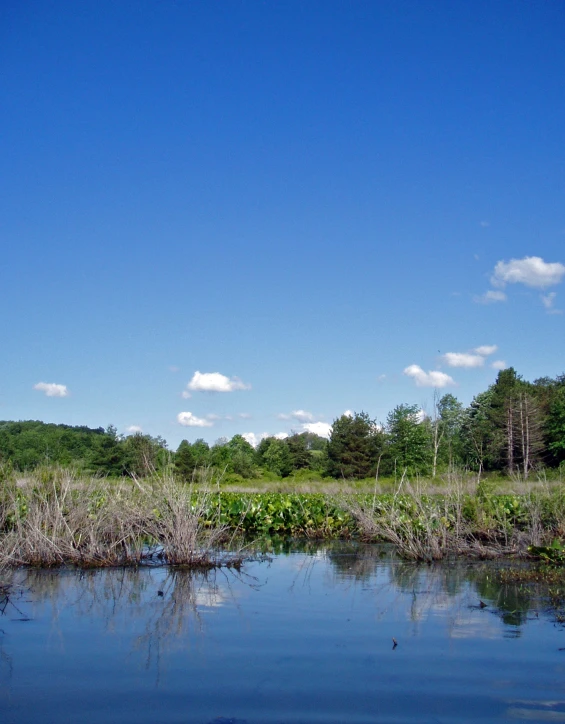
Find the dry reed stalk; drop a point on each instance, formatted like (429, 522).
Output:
(185, 523)
(422, 526)
(95, 522)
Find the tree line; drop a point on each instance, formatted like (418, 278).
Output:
(514, 426)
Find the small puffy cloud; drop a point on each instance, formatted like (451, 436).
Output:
(299, 415)
(281, 435)
(499, 364)
(215, 382)
(490, 297)
(51, 389)
(532, 271)
(421, 415)
(185, 394)
(348, 413)
(381, 378)
(187, 419)
(548, 300)
(244, 415)
(323, 429)
(254, 439)
(486, 349)
(463, 359)
(132, 429)
(428, 379)
(302, 416)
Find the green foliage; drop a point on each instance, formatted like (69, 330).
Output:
(556, 427)
(274, 455)
(354, 447)
(143, 454)
(450, 421)
(300, 454)
(241, 459)
(512, 427)
(554, 553)
(185, 461)
(278, 514)
(29, 444)
(409, 440)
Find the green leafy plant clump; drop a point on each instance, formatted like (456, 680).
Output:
(266, 514)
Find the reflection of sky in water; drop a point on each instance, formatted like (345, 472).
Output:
(299, 638)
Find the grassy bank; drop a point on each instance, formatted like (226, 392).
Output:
(54, 517)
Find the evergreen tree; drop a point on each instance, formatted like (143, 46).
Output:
(354, 447)
(185, 461)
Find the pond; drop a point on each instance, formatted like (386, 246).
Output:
(307, 635)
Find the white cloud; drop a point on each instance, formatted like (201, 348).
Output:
(490, 297)
(486, 349)
(428, 379)
(132, 429)
(185, 394)
(187, 419)
(499, 364)
(381, 378)
(254, 439)
(251, 438)
(299, 415)
(348, 413)
(548, 300)
(212, 416)
(281, 435)
(463, 359)
(245, 415)
(302, 416)
(421, 415)
(318, 428)
(51, 389)
(215, 382)
(532, 271)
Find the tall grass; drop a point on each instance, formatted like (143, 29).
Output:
(57, 518)
(431, 526)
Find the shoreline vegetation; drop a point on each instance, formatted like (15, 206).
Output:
(483, 481)
(56, 517)
(514, 428)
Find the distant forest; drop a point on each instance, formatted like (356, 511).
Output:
(513, 427)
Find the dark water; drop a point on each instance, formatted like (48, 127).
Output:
(301, 638)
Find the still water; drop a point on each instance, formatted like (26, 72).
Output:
(306, 636)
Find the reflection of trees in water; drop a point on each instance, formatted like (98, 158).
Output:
(10, 596)
(161, 607)
(512, 600)
(457, 584)
(480, 580)
(356, 561)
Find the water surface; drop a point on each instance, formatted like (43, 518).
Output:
(304, 637)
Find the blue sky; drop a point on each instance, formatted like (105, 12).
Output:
(310, 199)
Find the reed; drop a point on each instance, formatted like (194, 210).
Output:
(62, 519)
(429, 526)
